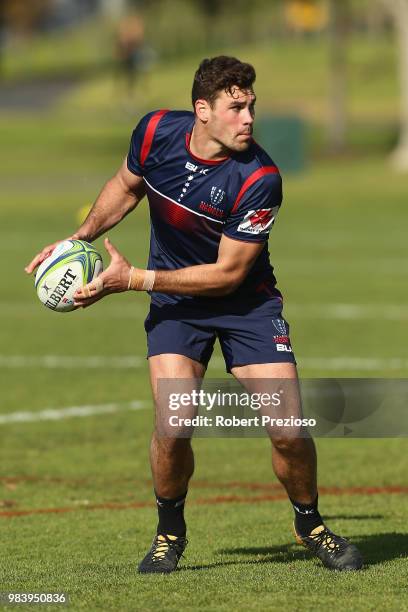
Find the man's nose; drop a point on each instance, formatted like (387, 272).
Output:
(248, 117)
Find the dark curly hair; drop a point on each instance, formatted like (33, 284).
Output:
(221, 73)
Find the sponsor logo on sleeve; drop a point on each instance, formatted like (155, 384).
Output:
(258, 221)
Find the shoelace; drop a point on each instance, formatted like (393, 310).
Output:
(325, 538)
(163, 544)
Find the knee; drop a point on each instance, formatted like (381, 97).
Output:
(289, 445)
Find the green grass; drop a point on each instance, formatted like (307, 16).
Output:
(248, 560)
(339, 247)
(59, 53)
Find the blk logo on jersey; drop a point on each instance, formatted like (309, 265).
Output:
(257, 221)
(194, 168)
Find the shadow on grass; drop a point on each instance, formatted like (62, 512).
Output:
(375, 549)
(270, 554)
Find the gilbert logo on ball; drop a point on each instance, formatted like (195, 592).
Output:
(72, 264)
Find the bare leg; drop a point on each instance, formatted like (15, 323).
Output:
(171, 459)
(293, 458)
(295, 466)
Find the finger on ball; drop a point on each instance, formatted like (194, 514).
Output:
(98, 285)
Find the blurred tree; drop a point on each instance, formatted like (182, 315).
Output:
(23, 17)
(238, 13)
(338, 30)
(2, 35)
(210, 9)
(369, 16)
(398, 9)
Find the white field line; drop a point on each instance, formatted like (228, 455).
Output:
(70, 362)
(353, 363)
(131, 362)
(57, 414)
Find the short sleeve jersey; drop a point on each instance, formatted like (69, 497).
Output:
(194, 201)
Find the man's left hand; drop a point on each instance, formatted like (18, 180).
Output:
(114, 279)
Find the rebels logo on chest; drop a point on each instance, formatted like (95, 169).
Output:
(217, 199)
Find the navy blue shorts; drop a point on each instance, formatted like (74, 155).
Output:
(252, 334)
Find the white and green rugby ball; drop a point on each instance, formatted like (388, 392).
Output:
(71, 265)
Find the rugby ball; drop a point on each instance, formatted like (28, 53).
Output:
(71, 265)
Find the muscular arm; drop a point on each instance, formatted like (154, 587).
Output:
(235, 259)
(119, 196)
(234, 262)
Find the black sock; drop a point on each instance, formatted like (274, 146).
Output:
(171, 515)
(307, 517)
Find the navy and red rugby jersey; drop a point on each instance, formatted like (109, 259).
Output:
(194, 201)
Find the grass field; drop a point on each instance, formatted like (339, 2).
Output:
(76, 510)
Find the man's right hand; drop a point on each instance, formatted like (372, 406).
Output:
(46, 252)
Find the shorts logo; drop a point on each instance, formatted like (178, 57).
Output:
(284, 348)
(280, 326)
(258, 221)
(281, 339)
(217, 196)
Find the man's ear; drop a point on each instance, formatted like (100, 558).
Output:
(202, 110)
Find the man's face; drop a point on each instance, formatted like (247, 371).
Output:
(231, 119)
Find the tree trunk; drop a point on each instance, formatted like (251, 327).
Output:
(2, 37)
(338, 74)
(399, 11)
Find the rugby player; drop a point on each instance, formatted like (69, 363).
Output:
(213, 195)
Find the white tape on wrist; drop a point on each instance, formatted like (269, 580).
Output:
(135, 280)
(148, 282)
(130, 278)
